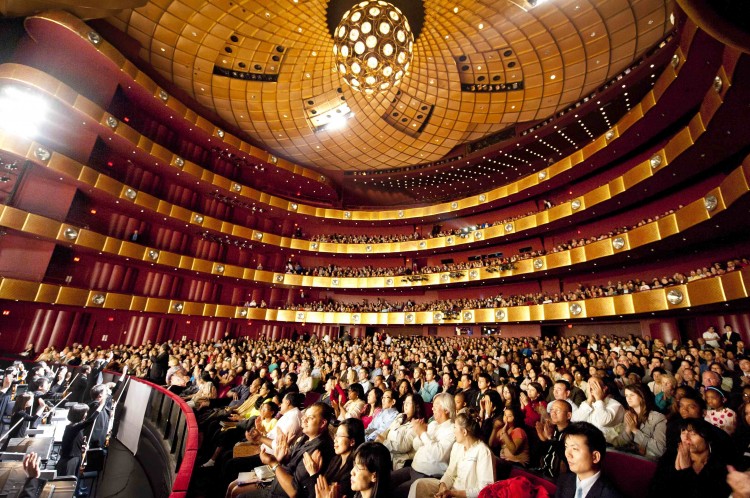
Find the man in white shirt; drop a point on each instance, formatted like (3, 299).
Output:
(433, 444)
(712, 337)
(600, 409)
(585, 448)
(561, 392)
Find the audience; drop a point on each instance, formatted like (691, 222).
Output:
(498, 410)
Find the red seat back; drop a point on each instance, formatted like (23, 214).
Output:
(631, 474)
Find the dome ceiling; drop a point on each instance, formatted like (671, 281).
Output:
(478, 67)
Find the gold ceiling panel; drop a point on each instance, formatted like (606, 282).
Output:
(562, 51)
(52, 86)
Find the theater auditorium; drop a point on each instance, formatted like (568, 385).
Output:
(402, 248)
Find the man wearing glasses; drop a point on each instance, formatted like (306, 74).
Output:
(383, 420)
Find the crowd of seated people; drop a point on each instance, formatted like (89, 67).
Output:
(503, 263)
(434, 404)
(465, 231)
(499, 301)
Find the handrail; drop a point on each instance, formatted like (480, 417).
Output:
(185, 472)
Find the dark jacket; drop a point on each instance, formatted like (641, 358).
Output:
(304, 483)
(71, 448)
(602, 488)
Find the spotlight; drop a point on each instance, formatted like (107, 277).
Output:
(21, 112)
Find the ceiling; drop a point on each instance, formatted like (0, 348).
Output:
(264, 67)
(560, 50)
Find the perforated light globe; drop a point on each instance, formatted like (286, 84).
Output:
(373, 46)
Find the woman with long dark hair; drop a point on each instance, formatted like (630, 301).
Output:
(370, 476)
(644, 430)
(511, 438)
(350, 434)
(398, 438)
(697, 470)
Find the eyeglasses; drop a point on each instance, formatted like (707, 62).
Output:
(342, 437)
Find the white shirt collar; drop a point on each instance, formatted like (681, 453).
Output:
(588, 483)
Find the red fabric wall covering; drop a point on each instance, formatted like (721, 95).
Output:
(20, 259)
(42, 194)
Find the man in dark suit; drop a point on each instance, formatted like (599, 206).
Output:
(585, 448)
(729, 339)
(159, 365)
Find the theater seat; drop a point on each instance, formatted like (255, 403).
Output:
(427, 411)
(312, 397)
(631, 474)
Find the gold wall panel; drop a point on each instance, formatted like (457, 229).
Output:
(112, 245)
(12, 218)
(692, 214)
(18, 290)
(72, 296)
(92, 240)
(65, 166)
(598, 249)
(668, 226)
(525, 223)
(117, 301)
(678, 144)
(642, 235)
(131, 250)
(735, 284)
(648, 301)
(47, 293)
(578, 255)
(45, 227)
(637, 174)
(602, 306)
(616, 186)
(191, 309)
(552, 311)
(156, 305)
(710, 104)
(535, 312)
(706, 291)
(560, 211)
(557, 260)
(221, 311)
(696, 126)
(138, 303)
(202, 265)
(735, 186)
(623, 305)
(594, 197)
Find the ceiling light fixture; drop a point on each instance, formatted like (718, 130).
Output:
(373, 46)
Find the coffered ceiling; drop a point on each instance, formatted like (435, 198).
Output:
(479, 67)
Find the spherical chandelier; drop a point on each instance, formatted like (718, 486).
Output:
(373, 46)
